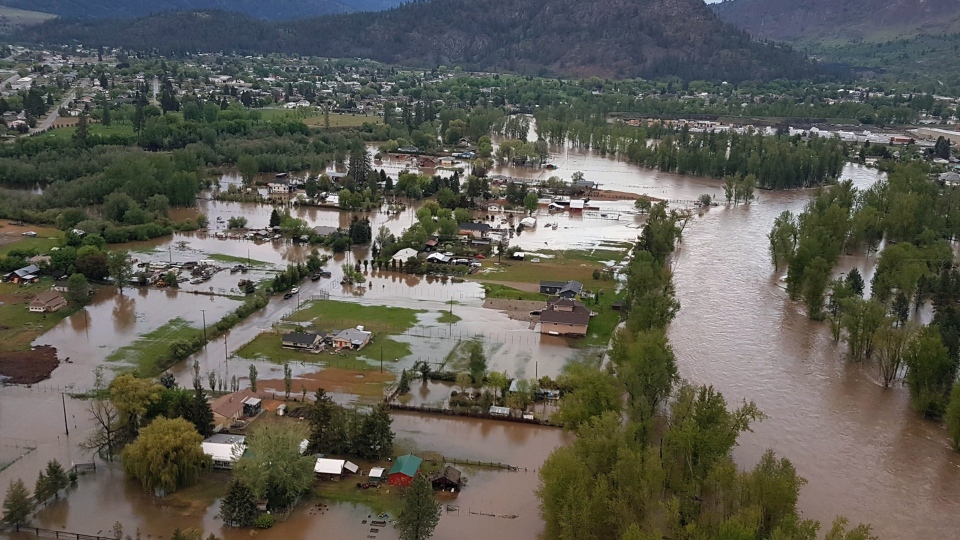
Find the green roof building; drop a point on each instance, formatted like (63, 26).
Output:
(403, 470)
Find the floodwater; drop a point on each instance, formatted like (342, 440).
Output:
(865, 454)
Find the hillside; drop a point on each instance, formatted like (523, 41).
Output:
(810, 21)
(606, 38)
(260, 9)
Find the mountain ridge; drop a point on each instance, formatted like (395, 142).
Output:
(840, 20)
(606, 38)
(259, 9)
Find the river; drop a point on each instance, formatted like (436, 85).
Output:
(865, 454)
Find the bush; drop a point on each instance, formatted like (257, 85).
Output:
(264, 521)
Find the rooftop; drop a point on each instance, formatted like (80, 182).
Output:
(407, 464)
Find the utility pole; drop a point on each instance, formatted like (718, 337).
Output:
(66, 426)
(381, 358)
(204, 313)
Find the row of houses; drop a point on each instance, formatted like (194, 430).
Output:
(351, 338)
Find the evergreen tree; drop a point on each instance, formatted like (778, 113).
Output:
(43, 490)
(239, 507)
(374, 438)
(57, 477)
(404, 384)
(201, 413)
(253, 377)
(80, 135)
(287, 380)
(321, 418)
(17, 505)
(274, 218)
(138, 117)
(105, 117)
(420, 513)
(855, 282)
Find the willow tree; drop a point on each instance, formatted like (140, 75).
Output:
(166, 456)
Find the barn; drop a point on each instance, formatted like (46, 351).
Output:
(403, 470)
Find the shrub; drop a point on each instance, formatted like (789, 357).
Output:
(264, 521)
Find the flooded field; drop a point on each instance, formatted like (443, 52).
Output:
(865, 454)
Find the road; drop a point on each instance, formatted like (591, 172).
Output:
(52, 117)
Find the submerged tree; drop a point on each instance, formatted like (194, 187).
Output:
(17, 505)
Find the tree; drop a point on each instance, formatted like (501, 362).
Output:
(783, 239)
(891, 344)
(248, 167)
(861, 319)
(239, 507)
(80, 135)
(237, 222)
(57, 477)
(43, 490)
(253, 377)
(105, 114)
(930, 372)
(273, 466)
(107, 436)
(274, 218)
(287, 380)
(588, 392)
(17, 505)
(855, 281)
(420, 512)
(200, 413)
(78, 290)
(118, 263)
(647, 369)
(375, 434)
(321, 418)
(952, 417)
(477, 364)
(463, 381)
(166, 456)
(530, 201)
(403, 387)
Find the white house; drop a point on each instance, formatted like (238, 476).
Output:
(404, 254)
(224, 450)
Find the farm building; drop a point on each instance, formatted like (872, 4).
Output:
(447, 479)
(403, 470)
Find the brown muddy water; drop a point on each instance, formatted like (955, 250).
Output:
(865, 454)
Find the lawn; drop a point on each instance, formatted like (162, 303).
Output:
(565, 267)
(18, 326)
(496, 290)
(267, 346)
(448, 318)
(385, 499)
(150, 351)
(315, 119)
(92, 129)
(236, 260)
(47, 238)
(331, 314)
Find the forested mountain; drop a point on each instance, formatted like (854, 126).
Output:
(841, 20)
(260, 9)
(607, 38)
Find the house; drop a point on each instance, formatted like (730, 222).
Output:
(564, 317)
(576, 205)
(404, 254)
(476, 230)
(430, 245)
(279, 186)
(428, 163)
(529, 222)
(224, 450)
(27, 274)
(352, 338)
(564, 289)
(323, 230)
(47, 302)
(301, 340)
(232, 407)
(439, 258)
(403, 470)
(447, 478)
(377, 475)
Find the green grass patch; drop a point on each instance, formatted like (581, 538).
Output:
(149, 351)
(391, 350)
(386, 499)
(18, 326)
(92, 129)
(332, 314)
(496, 290)
(267, 346)
(612, 251)
(602, 324)
(447, 317)
(48, 238)
(235, 260)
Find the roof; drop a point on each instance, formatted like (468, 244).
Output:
(352, 334)
(224, 447)
(27, 271)
(577, 203)
(502, 411)
(230, 405)
(328, 466)
(279, 182)
(579, 315)
(352, 467)
(46, 297)
(323, 230)
(377, 472)
(474, 226)
(407, 465)
(252, 401)
(300, 338)
(432, 242)
(405, 254)
(572, 286)
(448, 472)
(553, 284)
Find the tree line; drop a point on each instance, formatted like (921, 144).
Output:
(652, 457)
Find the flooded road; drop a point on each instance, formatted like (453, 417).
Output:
(865, 454)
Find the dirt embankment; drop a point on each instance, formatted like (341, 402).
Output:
(28, 367)
(518, 310)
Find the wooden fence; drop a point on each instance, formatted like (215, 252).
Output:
(65, 535)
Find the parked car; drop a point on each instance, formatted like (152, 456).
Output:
(295, 290)
(30, 233)
(324, 273)
(287, 296)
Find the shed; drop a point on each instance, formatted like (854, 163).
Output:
(251, 406)
(529, 222)
(404, 254)
(499, 411)
(47, 302)
(301, 340)
(377, 475)
(447, 478)
(329, 469)
(403, 470)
